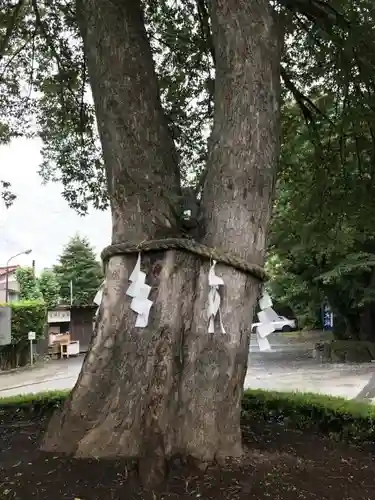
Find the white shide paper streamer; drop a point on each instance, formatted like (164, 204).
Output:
(139, 292)
(214, 282)
(266, 316)
(98, 297)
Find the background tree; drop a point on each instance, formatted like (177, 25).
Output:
(28, 284)
(322, 233)
(49, 287)
(78, 264)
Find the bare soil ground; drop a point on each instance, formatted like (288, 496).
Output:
(279, 464)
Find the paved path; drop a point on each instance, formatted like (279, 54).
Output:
(280, 370)
(289, 367)
(272, 372)
(368, 391)
(53, 376)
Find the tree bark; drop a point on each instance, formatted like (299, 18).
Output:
(139, 153)
(172, 388)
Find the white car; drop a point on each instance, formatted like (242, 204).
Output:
(283, 324)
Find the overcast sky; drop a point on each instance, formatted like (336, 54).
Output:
(40, 218)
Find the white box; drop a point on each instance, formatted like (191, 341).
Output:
(73, 348)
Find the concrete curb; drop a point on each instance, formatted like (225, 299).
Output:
(21, 369)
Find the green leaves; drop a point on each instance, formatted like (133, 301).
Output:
(6, 194)
(179, 38)
(78, 265)
(352, 265)
(49, 288)
(28, 283)
(336, 417)
(29, 315)
(347, 420)
(45, 288)
(322, 231)
(44, 82)
(44, 91)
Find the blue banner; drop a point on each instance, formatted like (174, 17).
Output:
(327, 317)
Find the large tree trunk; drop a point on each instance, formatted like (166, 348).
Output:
(173, 388)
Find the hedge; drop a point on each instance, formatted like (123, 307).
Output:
(26, 316)
(341, 351)
(339, 418)
(39, 404)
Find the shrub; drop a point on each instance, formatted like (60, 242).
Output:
(344, 419)
(26, 316)
(341, 351)
(23, 405)
(336, 417)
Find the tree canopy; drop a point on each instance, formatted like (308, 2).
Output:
(28, 283)
(77, 264)
(78, 268)
(45, 287)
(322, 231)
(329, 50)
(49, 287)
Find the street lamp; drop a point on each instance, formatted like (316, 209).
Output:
(26, 252)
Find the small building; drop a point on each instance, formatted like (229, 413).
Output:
(78, 321)
(13, 286)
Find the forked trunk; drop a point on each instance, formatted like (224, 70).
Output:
(172, 388)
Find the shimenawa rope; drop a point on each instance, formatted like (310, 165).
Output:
(189, 245)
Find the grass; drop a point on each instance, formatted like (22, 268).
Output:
(31, 400)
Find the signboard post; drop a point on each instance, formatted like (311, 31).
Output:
(31, 336)
(5, 325)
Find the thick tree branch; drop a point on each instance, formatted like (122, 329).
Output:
(317, 11)
(10, 28)
(60, 65)
(322, 14)
(204, 20)
(14, 55)
(307, 106)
